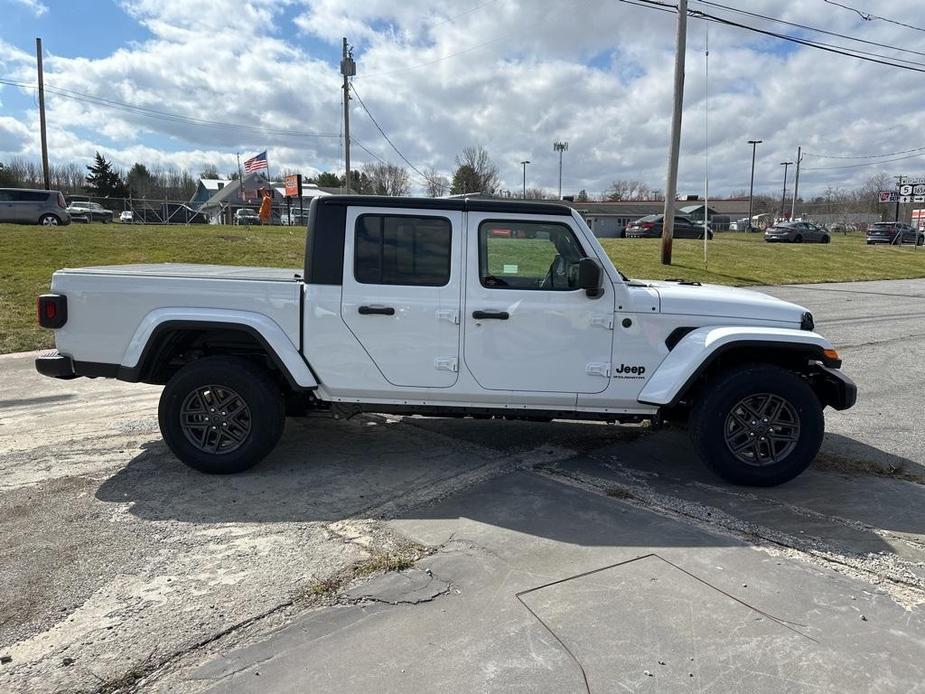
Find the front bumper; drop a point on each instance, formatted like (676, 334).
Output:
(55, 365)
(834, 388)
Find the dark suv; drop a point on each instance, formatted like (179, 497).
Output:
(29, 206)
(894, 232)
(650, 227)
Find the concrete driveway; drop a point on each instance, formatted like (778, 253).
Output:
(121, 568)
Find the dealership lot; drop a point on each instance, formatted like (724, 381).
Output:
(120, 564)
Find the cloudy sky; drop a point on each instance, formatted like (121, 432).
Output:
(205, 79)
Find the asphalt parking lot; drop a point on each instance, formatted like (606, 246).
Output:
(121, 568)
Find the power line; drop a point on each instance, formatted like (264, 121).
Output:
(868, 17)
(830, 48)
(166, 116)
(382, 132)
(863, 156)
(359, 144)
(808, 28)
(858, 166)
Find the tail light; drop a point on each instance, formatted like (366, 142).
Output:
(52, 310)
(61, 203)
(647, 225)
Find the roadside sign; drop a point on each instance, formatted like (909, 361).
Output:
(905, 189)
(294, 186)
(905, 198)
(889, 196)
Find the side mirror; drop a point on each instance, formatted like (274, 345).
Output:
(589, 277)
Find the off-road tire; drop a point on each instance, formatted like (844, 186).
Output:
(710, 416)
(253, 385)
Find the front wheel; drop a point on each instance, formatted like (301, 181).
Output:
(798, 239)
(826, 239)
(759, 425)
(221, 414)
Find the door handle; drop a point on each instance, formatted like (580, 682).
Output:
(376, 311)
(484, 315)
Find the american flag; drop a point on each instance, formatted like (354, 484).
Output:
(257, 163)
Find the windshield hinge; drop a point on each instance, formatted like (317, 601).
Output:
(603, 321)
(598, 369)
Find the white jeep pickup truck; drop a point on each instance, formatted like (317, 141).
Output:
(449, 308)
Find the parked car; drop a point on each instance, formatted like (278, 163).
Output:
(412, 306)
(796, 232)
(741, 225)
(127, 217)
(246, 216)
(894, 232)
(650, 227)
(31, 206)
(84, 211)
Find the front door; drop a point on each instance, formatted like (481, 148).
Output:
(401, 292)
(526, 326)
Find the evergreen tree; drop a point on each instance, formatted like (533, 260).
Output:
(103, 181)
(326, 179)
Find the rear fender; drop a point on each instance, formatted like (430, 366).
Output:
(697, 350)
(273, 338)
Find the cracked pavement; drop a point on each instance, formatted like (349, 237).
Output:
(141, 574)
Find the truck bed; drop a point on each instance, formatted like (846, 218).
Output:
(109, 305)
(223, 272)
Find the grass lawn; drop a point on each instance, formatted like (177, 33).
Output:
(29, 255)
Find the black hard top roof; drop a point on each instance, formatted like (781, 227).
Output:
(465, 204)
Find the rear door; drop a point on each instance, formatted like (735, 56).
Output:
(401, 292)
(526, 326)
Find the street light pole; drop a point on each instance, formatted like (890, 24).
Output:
(524, 164)
(560, 147)
(783, 195)
(751, 186)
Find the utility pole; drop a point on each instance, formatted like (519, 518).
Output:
(348, 68)
(560, 147)
(524, 164)
(796, 185)
(751, 186)
(38, 61)
(899, 185)
(783, 195)
(671, 187)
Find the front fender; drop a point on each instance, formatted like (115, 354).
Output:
(699, 348)
(266, 330)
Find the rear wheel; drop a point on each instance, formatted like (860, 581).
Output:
(826, 239)
(760, 425)
(798, 239)
(221, 414)
(49, 220)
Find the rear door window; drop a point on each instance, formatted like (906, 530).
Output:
(402, 250)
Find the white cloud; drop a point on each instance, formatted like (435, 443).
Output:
(512, 75)
(35, 6)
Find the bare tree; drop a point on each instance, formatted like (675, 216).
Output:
(387, 179)
(475, 172)
(537, 194)
(437, 186)
(623, 189)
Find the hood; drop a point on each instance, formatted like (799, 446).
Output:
(725, 302)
